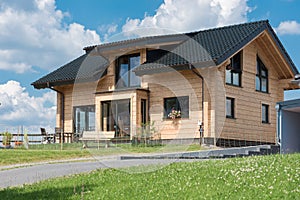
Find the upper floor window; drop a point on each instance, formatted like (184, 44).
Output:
(261, 82)
(176, 104)
(234, 70)
(125, 76)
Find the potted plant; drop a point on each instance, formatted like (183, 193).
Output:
(174, 114)
(6, 139)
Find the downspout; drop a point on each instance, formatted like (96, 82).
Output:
(62, 105)
(279, 124)
(202, 81)
(148, 106)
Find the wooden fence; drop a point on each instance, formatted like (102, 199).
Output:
(18, 139)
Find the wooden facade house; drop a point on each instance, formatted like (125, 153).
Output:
(228, 79)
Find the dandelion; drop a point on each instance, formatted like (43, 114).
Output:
(271, 187)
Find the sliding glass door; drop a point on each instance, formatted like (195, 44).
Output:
(116, 117)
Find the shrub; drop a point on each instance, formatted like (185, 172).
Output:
(6, 139)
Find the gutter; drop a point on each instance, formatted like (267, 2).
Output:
(202, 81)
(62, 105)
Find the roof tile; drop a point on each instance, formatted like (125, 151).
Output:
(211, 47)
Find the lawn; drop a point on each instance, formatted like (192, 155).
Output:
(48, 152)
(260, 177)
(19, 156)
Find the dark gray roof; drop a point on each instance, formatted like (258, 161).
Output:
(202, 48)
(83, 69)
(210, 47)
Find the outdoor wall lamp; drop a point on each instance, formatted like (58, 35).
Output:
(297, 80)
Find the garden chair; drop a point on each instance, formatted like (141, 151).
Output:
(46, 138)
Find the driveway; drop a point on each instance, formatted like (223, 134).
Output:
(42, 171)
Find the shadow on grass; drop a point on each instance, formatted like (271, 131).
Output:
(52, 192)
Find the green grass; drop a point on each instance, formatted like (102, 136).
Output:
(20, 156)
(48, 152)
(159, 148)
(261, 177)
(64, 146)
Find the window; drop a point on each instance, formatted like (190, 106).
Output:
(143, 111)
(234, 71)
(229, 107)
(125, 77)
(265, 113)
(261, 82)
(116, 117)
(84, 118)
(177, 103)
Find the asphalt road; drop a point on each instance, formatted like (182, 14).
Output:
(38, 172)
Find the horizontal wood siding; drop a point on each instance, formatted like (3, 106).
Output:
(248, 123)
(175, 84)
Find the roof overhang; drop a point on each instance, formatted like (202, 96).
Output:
(86, 68)
(51, 84)
(291, 105)
(274, 50)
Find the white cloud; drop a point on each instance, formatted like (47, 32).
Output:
(288, 27)
(33, 32)
(184, 16)
(108, 30)
(19, 108)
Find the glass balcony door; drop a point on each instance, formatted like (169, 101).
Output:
(125, 76)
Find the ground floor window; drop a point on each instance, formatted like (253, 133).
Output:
(143, 111)
(176, 104)
(84, 118)
(229, 107)
(265, 113)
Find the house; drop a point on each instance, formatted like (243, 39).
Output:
(288, 117)
(226, 79)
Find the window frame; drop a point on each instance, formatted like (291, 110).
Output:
(260, 76)
(129, 71)
(266, 114)
(231, 70)
(232, 105)
(178, 107)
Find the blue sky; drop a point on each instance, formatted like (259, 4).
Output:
(38, 36)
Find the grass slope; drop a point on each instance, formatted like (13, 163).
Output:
(261, 177)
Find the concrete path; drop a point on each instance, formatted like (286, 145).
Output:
(42, 171)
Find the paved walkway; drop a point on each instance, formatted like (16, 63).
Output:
(17, 175)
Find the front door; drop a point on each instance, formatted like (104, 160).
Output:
(116, 117)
